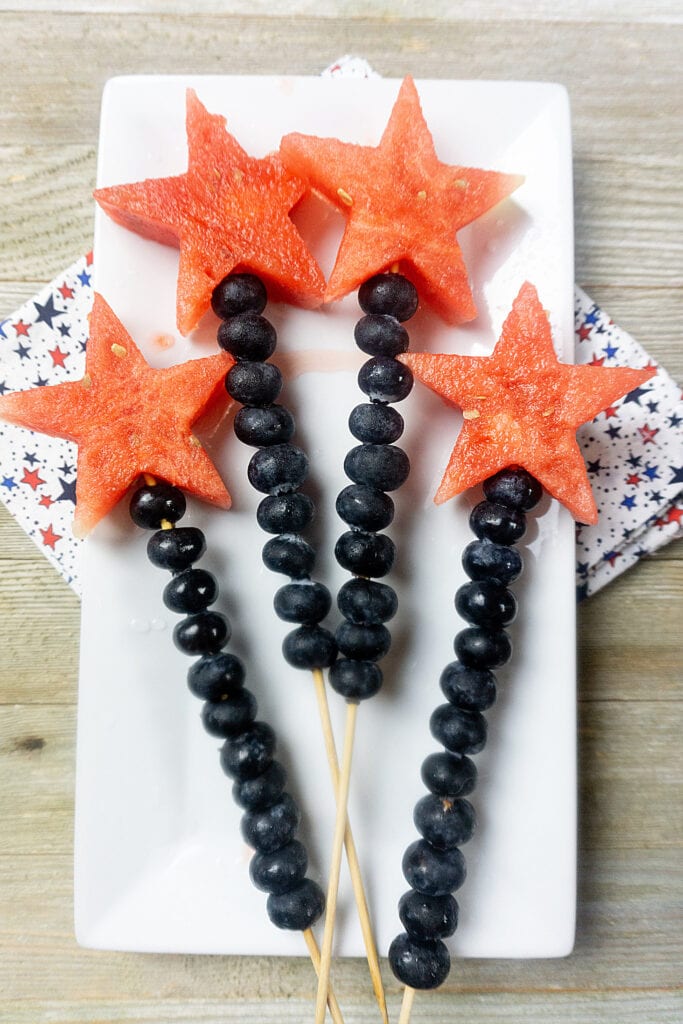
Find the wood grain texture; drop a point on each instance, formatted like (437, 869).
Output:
(620, 62)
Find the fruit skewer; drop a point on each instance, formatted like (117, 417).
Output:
(278, 469)
(403, 207)
(210, 213)
(521, 408)
(434, 866)
(107, 413)
(376, 466)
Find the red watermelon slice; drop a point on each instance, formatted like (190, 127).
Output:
(522, 407)
(402, 206)
(228, 212)
(127, 419)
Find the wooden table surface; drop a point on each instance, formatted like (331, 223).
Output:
(621, 64)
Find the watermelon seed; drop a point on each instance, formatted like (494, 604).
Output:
(345, 197)
(119, 351)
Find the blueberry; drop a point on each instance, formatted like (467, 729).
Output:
(151, 504)
(262, 428)
(384, 379)
(514, 488)
(484, 560)
(419, 965)
(278, 469)
(272, 828)
(297, 909)
(433, 872)
(355, 680)
(365, 602)
(176, 549)
(203, 633)
(230, 716)
(391, 294)
(285, 513)
(302, 602)
(461, 732)
(262, 791)
(497, 523)
(365, 507)
(281, 870)
(254, 383)
(309, 647)
(215, 676)
(192, 590)
(379, 334)
(473, 689)
(444, 823)
(486, 603)
(363, 643)
(449, 775)
(248, 336)
(376, 424)
(238, 293)
(248, 754)
(365, 554)
(482, 648)
(290, 555)
(383, 466)
(428, 917)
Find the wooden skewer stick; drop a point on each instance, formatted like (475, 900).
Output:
(351, 852)
(335, 863)
(332, 1003)
(406, 1005)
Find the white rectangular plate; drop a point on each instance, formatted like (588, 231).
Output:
(160, 864)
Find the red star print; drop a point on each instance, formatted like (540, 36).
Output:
(65, 291)
(50, 538)
(32, 479)
(21, 328)
(633, 479)
(584, 332)
(58, 356)
(89, 259)
(46, 501)
(674, 515)
(611, 410)
(596, 361)
(648, 434)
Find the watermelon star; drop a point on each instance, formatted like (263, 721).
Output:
(402, 204)
(522, 407)
(127, 419)
(228, 211)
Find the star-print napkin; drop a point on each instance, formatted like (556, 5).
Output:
(633, 453)
(633, 450)
(44, 343)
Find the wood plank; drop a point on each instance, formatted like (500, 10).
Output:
(629, 636)
(634, 11)
(431, 1008)
(617, 889)
(612, 112)
(46, 212)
